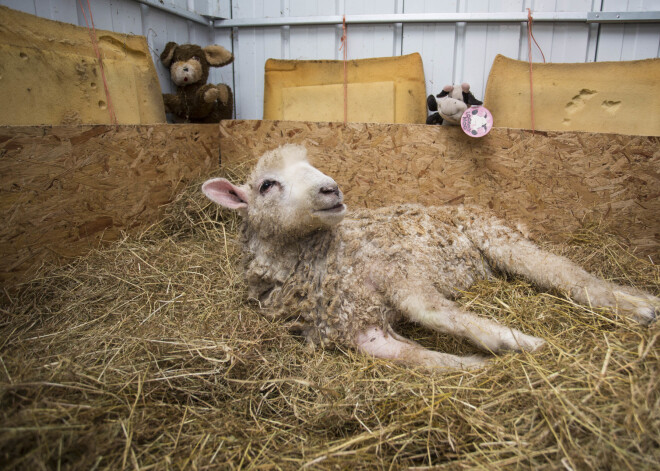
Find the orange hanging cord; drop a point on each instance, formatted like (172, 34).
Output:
(344, 47)
(92, 35)
(530, 38)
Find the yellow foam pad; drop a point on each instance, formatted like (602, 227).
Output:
(380, 90)
(369, 102)
(49, 74)
(607, 97)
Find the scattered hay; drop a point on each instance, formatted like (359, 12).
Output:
(144, 355)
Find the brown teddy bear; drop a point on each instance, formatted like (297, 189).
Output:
(197, 101)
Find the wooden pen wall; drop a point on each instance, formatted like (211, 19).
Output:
(553, 182)
(65, 189)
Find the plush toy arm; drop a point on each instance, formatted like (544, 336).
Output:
(431, 103)
(207, 93)
(224, 93)
(434, 118)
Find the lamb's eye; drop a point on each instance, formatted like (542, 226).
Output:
(265, 186)
(195, 58)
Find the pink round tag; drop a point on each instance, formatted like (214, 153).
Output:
(476, 121)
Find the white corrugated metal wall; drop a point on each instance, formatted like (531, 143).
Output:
(451, 52)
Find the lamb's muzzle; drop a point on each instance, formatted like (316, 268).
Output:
(333, 199)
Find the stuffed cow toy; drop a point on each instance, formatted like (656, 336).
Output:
(450, 104)
(195, 100)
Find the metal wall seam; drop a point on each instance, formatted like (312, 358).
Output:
(489, 17)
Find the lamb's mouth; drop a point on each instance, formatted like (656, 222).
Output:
(338, 208)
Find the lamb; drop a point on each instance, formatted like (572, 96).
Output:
(343, 278)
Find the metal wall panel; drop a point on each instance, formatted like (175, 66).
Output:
(252, 46)
(629, 41)
(366, 41)
(452, 53)
(312, 42)
(436, 43)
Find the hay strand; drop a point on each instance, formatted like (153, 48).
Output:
(145, 355)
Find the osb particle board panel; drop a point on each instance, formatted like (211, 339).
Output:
(552, 181)
(65, 189)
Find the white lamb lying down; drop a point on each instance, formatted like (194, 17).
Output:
(347, 276)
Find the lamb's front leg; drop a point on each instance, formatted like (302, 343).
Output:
(510, 251)
(380, 344)
(434, 311)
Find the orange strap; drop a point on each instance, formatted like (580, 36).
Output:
(92, 35)
(344, 46)
(530, 38)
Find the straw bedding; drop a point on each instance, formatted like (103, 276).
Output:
(145, 355)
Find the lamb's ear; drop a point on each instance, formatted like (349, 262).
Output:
(168, 53)
(225, 193)
(217, 56)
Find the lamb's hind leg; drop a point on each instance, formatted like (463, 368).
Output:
(510, 251)
(434, 311)
(376, 342)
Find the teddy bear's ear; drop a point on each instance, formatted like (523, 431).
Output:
(168, 53)
(217, 56)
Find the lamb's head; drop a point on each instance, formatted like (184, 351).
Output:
(284, 196)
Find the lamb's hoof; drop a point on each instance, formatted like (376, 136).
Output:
(473, 362)
(519, 342)
(642, 307)
(534, 344)
(445, 361)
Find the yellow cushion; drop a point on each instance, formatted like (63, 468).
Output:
(50, 74)
(608, 97)
(380, 90)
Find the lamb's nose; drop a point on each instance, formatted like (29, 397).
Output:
(329, 189)
(185, 69)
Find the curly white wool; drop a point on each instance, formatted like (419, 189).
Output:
(346, 277)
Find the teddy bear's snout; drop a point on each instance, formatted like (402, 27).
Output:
(186, 73)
